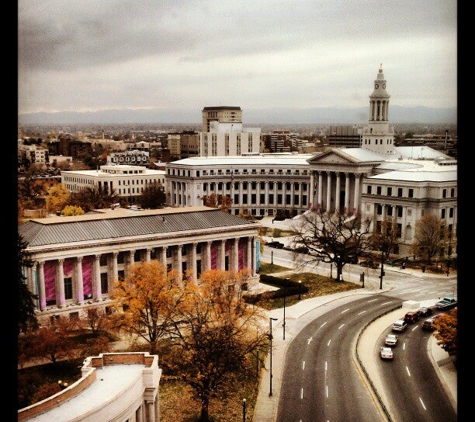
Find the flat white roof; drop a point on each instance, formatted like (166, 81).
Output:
(110, 382)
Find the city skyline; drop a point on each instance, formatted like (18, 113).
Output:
(90, 56)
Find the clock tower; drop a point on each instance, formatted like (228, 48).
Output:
(378, 136)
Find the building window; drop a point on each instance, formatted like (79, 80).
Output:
(379, 209)
(442, 213)
(271, 198)
(451, 213)
(253, 199)
(411, 193)
(378, 190)
(452, 192)
(399, 192)
(244, 198)
(444, 193)
(104, 283)
(369, 189)
(399, 211)
(68, 288)
(390, 191)
(236, 199)
(279, 199)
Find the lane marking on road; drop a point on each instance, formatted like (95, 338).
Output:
(309, 340)
(362, 312)
(303, 365)
(329, 342)
(341, 326)
(408, 372)
(301, 393)
(346, 310)
(423, 405)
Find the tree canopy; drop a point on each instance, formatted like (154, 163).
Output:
(153, 196)
(216, 332)
(146, 301)
(330, 238)
(430, 237)
(26, 305)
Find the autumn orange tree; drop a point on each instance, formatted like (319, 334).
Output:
(51, 341)
(145, 302)
(215, 334)
(446, 331)
(223, 202)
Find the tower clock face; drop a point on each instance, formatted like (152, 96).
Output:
(376, 86)
(384, 86)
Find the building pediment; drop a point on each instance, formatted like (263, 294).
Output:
(333, 157)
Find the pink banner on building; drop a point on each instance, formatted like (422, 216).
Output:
(87, 275)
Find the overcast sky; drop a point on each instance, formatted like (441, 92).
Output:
(89, 55)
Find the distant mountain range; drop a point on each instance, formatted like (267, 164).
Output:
(357, 115)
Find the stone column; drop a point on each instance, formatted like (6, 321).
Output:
(337, 196)
(147, 254)
(329, 191)
(222, 254)
(207, 264)
(164, 257)
(130, 262)
(178, 262)
(194, 267)
(311, 194)
(250, 250)
(97, 290)
(78, 281)
(357, 194)
(115, 269)
(59, 285)
(41, 285)
(235, 255)
(347, 193)
(320, 191)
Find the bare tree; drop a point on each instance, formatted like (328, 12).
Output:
(385, 237)
(430, 238)
(330, 238)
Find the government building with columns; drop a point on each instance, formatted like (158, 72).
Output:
(376, 180)
(77, 260)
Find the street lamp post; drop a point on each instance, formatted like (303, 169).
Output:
(270, 338)
(243, 410)
(300, 286)
(382, 271)
(283, 323)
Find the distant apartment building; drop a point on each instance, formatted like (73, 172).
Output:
(31, 154)
(344, 136)
(130, 157)
(126, 180)
(221, 114)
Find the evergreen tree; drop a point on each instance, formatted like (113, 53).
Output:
(26, 306)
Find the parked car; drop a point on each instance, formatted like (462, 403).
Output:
(399, 325)
(275, 244)
(446, 302)
(386, 353)
(391, 340)
(411, 317)
(425, 311)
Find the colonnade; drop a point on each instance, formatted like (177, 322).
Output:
(198, 258)
(331, 181)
